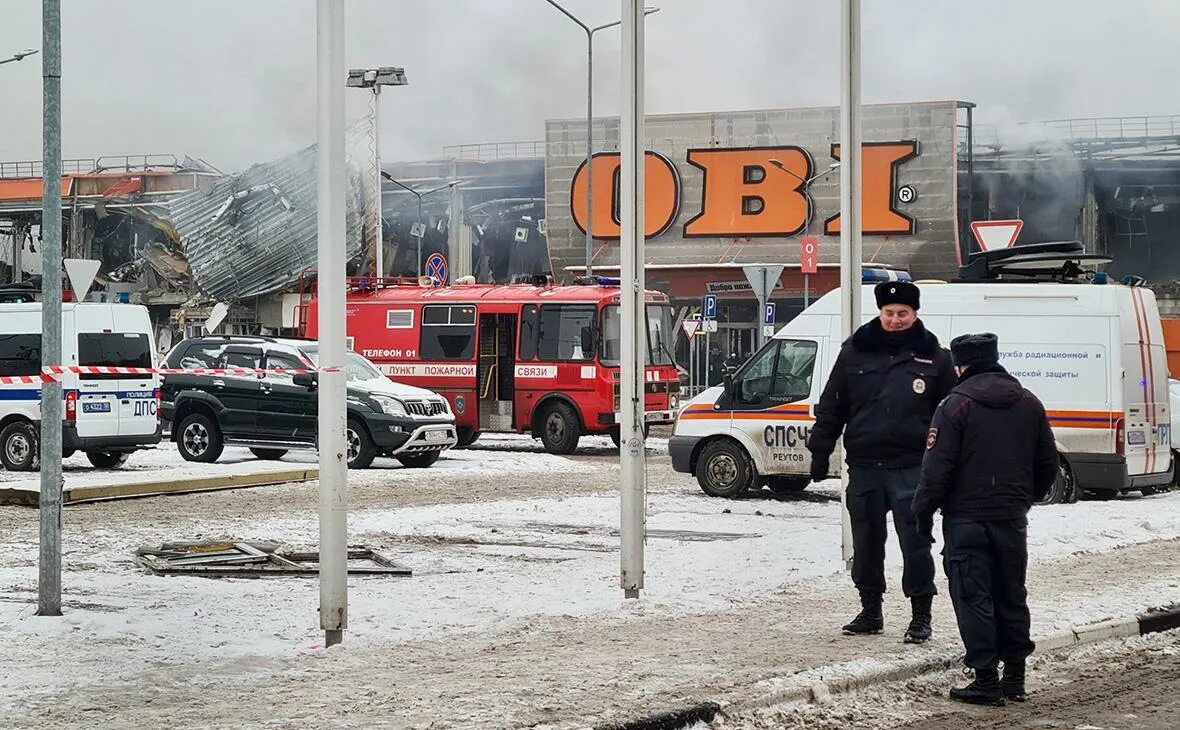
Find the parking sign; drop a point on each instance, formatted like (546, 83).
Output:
(768, 314)
(710, 306)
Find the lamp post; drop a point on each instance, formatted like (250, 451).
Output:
(374, 79)
(590, 31)
(19, 55)
(806, 221)
(419, 195)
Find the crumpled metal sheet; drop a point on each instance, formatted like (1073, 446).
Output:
(255, 233)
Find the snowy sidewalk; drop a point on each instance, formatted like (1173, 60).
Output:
(514, 616)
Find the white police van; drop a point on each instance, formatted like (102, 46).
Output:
(106, 416)
(1092, 352)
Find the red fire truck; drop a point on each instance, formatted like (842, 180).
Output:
(536, 358)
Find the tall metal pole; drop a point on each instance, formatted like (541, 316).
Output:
(421, 233)
(634, 334)
(851, 255)
(379, 260)
(589, 152)
(49, 558)
(332, 388)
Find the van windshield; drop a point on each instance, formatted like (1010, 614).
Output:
(659, 335)
(356, 368)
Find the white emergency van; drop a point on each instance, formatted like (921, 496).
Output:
(1093, 353)
(106, 416)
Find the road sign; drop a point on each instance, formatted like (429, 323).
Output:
(690, 327)
(993, 235)
(763, 278)
(768, 330)
(709, 325)
(436, 269)
(710, 306)
(81, 273)
(418, 230)
(768, 314)
(809, 255)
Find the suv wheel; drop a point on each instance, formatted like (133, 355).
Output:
(20, 448)
(199, 439)
(359, 445)
(559, 429)
(419, 461)
(724, 470)
(107, 459)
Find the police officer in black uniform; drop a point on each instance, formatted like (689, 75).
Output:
(989, 455)
(888, 379)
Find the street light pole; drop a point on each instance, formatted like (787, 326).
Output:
(590, 31)
(374, 79)
(419, 195)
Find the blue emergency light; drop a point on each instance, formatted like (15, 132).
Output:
(872, 276)
(607, 281)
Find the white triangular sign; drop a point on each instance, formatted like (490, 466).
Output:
(690, 326)
(994, 235)
(81, 273)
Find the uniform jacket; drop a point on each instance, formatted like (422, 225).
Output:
(882, 394)
(990, 452)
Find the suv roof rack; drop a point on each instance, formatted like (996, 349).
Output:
(1049, 261)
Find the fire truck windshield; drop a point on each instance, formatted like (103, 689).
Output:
(659, 335)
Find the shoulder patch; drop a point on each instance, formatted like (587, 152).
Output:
(931, 438)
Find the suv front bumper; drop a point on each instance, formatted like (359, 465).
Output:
(394, 435)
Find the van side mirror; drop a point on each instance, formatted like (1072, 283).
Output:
(307, 380)
(727, 380)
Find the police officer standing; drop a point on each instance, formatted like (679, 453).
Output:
(887, 381)
(989, 455)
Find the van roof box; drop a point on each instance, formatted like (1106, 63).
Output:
(1054, 260)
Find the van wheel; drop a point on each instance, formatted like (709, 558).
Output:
(199, 439)
(419, 461)
(107, 459)
(359, 445)
(20, 447)
(788, 485)
(724, 470)
(1065, 488)
(560, 431)
(269, 454)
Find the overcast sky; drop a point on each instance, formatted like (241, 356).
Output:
(233, 81)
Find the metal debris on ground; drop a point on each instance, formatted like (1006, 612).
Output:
(224, 559)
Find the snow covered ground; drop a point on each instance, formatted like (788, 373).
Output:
(478, 567)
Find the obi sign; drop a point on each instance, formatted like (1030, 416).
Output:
(744, 193)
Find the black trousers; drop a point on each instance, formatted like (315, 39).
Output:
(986, 562)
(871, 494)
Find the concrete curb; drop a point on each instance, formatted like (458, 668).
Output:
(97, 493)
(820, 688)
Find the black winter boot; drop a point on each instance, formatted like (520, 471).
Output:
(869, 620)
(919, 628)
(1013, 681)
(985, 690)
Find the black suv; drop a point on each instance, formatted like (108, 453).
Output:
(272, 414)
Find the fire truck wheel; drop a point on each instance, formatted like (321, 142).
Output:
(361, 450)
(467, 436)
(560, 430)
(107, 459)
(724, 469)
(20, 448)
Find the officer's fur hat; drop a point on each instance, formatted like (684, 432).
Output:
(975, 350)
(896, 292)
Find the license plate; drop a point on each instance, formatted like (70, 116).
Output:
(436, 435)
(97, 407)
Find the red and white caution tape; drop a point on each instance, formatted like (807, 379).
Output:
(51, 374)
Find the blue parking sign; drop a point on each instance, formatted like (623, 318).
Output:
(710, 306)
(768, 315)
